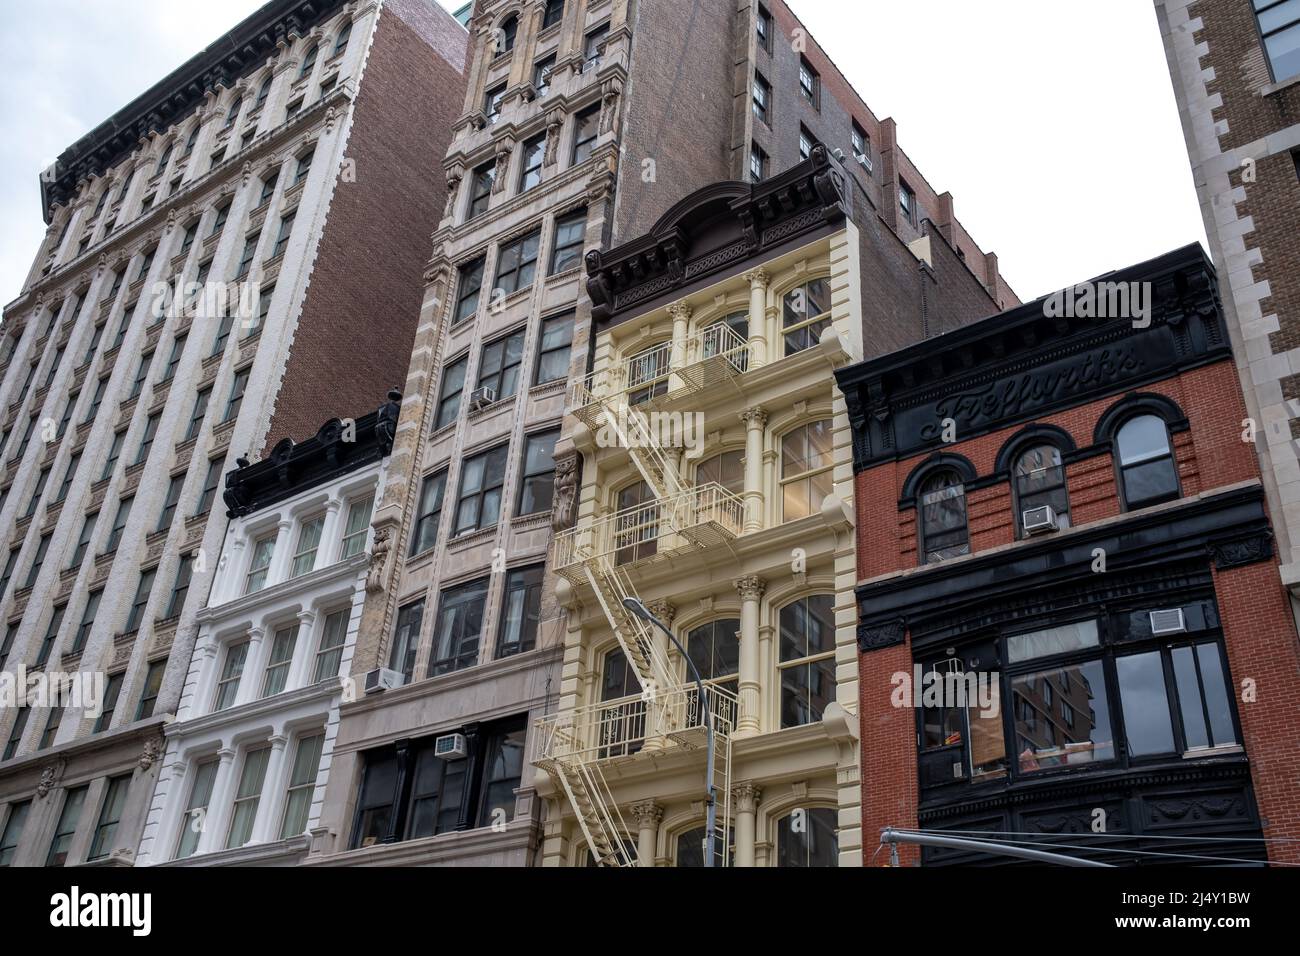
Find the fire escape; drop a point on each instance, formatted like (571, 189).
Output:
(576, 747)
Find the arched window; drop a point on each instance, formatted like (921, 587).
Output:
(309, 61)
(805, 314)
(636, 532)
(505, 35)
(263, 91)
(727, 469)
(233, 114)
(647, 373)
(727, 337)
(806, 463)
(1148, 474)
(808, 837)
(164, 159)
(942, 524)
(341, 43)
(807, 664)
(1039, 481)
(690, 848)
(622, 728)
(714, 649)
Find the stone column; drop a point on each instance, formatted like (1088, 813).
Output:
(745, 798)
(270, 806)
(751, 593)
(282, 557)
(304, 652)
(757, 279)
(250, 684)
(647, 814)
(217, 818)
(663, 648)
(681, 313)
(331, 534)
(755, 420)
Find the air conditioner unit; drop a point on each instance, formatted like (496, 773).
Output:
(482, 397)
(383, 679)
(450, 747)
(590, 65)
(863, 160)
(1168, 621)
(1040, 520)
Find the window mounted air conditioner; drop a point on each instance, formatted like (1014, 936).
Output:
(383, 679)
(1040, 520)
(1169, 621)
(482, 397)
(863, 160)
(450, 747)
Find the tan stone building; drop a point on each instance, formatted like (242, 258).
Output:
(268, 167)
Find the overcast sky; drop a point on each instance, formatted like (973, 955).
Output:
(1056, 133)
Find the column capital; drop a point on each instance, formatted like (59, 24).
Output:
(647, 813)
(278, 741)
(746, 797)
(307, 618)
(663, 610)
(226, 754)
(680, 311)
(751, 588)
(754, 417)
(757, 278)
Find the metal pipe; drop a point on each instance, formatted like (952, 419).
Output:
(893, 837)
(711, 818)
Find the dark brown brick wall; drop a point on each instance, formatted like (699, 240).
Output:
(354, 337)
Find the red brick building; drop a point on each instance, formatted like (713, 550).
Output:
(1059, 512)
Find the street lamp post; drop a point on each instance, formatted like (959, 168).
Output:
(640, 610)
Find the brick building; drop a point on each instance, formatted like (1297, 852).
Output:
(1063, 510)
(1235, 68)
(571, 141)
(284, 167)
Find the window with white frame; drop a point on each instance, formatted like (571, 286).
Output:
(302, 781)
(805, 315)
(231, 673)
(304, 555)
(276, 677)
(808, 837)
(260, 564)
(357, 527)
(807, 460)
(244, 811)
(196, 808)
(330, 653)
(807, 659)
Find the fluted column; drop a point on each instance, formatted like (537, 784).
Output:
(681, 313)
(751, 593)
(647, 815)
(304, 652)
(664, 651)
(282, 556)
(755, 420)
(745, 799)
(217, 819)
(757, 279)
(250, 678)
(270, 804)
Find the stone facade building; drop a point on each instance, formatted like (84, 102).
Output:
(1236, 76)
(282, 165)
(584, 123)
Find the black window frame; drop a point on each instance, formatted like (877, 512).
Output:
(488, 484)
(454, 642)
(469, 289)
(530, 476)
(514, 262)
(428, 519)
(447, 411)
(566, 319)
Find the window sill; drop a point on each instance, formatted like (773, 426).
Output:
(1274, 88)
(467, 538)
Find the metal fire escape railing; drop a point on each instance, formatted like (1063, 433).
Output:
(574, 746)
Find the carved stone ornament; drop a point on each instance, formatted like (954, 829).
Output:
(50, 774)
(565, 511)
(153, 751)
(875, 637)
(379, 560)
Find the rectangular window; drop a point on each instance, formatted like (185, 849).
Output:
(453, 384)
(39, 490)
(210, 485)
(67, 414)
(69, 817)
(586, 127)
(51, 726)
(406, 638)
(198, 413)
(258, 322)
(276, 677)
(459, 628)
(246, 257)
(480, 190)
(809, 83)
(553, 13)
(553, 350)
(93, 345)
(806, 142)
(110, 814)
(268, 187)
(492, 102)
(330, 653)
(479, 503)
(247, 797)
(146, 440)
(169, 503)
(542, 71)
(907, 202)
(231, 673)
(357, 529)
(429, 515)
(13, 831)
(531, 173)
(16, 732)
(236, 395)
(757, 163)
(51, 635)
(498, 367)
(593, 46)
(304, 165)
(304, 556)
(302, 781)
(143, 588)
(260, 565)
(282, 237)
(521, 608)
(517, 263)
(114, 452)
(223, 333)
(174, 359)
(88, 622)
(763, 26)
(860, 145)
(570, 237)
(762, 95)
(1279, 28)
(83, 541)
(468, 287)
(502, 771)
(124, 506)
(41, 548)
(141, 373)
(537, 483)
(180, 587)
(196, 808)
